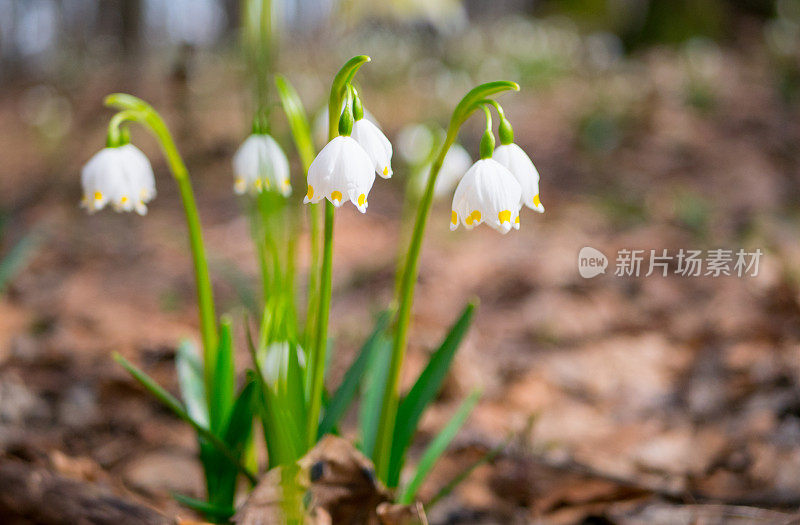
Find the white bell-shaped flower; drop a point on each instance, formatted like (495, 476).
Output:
(120, 176)
(520, 165)
(488, 193)
(342, 170)
(377, 146)
(260, 164)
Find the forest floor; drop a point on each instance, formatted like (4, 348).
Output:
(659, 399)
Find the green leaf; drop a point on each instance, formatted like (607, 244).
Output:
(190, 379)
(338, 404)
(374, 386)
(294, 390)
(424, 391)
(298, 121)
(220, 513)
(220, 399)
(464, 474)
(154, 388)
(437, 448)
(16, 258)
(240, 425)
(173, 404)
(281, 433)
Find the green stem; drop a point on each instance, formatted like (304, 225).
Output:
(410, 269)
(140, 111)
(383, 443)
(318, 351)
(321, 339)
(205, 294)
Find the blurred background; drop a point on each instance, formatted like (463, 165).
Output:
(655, 124)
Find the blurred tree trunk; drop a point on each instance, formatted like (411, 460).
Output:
(130, 26)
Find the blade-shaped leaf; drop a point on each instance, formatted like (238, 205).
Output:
(298, 121)
(173, 404)
(220, 399)
(340, 401)
(437, 448)
(374, 386)
(464, 474)
(13, 261)
(190, 379)
(280, 431)
(209, 510)
(424, 391)
(240, 425)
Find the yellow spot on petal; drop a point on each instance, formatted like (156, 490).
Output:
(362, 199)
(98, 196)
(536, 201)
(336, 196)
(285, 182)
(475, 216)
(310, 194)
(385, 170)
(124, 199)
(516, 221)
(453, 217)
(504, 216)
(258, 184)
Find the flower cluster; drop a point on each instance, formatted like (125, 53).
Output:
(492, 190)
(345, 168)
(496, 187)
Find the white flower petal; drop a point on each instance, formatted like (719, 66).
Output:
(520, 165)
(376, 145)
(259, 164)
(342, 170)
(119, 176)
(488, 193)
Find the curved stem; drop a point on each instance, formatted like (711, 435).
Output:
(386, 424)
(410, 270)
(140, 111)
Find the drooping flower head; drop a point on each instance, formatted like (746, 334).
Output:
(342, 170)
(488, 192)
(372, 139)
(120, 176)
(519, 164)
(260, 164)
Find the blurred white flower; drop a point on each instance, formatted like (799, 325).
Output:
(342, 170)
(259, 164)
(519, 164)
(456, 163)
(414, 143)
(377, 146)
(120, 176)
(489, 193)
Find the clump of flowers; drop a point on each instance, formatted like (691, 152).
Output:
(284, 390)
